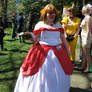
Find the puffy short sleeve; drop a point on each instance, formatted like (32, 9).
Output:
(37, 27)
(65, 20)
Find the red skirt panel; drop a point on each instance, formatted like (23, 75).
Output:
(36, 57)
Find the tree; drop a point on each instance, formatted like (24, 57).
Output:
(0, 7)
(58, 4)
(11, 6)
(34, 6)
(3, 10)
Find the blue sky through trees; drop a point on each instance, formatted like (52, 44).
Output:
(19, 0)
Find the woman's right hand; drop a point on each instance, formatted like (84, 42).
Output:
(21, 70)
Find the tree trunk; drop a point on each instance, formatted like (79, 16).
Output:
(3, 10)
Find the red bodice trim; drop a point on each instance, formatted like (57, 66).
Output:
(47, 29)
(36, 57)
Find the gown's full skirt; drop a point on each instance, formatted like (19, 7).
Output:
(50, 78)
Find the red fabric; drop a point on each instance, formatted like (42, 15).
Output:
(32, 40)
(33, 60)
(36, 57)
(49, 29)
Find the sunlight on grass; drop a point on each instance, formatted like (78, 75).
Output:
(11, 60)
(8, 31)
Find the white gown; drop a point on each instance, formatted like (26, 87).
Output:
(50, 77)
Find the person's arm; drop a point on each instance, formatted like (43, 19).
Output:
(62, 37)
(88, 26)
(35, 38)
(77, 32)
(64, 22)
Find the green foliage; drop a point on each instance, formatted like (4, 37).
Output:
(34, 6)
(0, 9)
(11, 6)
(20, 7)
(58, 4)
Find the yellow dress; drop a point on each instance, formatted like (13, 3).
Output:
(71, 29)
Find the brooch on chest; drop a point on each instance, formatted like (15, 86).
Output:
(59, 47)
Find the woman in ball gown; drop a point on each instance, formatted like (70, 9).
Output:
(47, 66)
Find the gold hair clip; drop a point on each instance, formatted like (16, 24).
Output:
(43, 11)
(57, 11)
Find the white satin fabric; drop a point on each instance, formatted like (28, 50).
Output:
(50, 38)
(50, 78)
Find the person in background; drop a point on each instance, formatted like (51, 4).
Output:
(64, 14)
(20, 24)
(29, 22)
(47, 66)
(72, 27)
(2, 34)
(14, 26)
(86, 35)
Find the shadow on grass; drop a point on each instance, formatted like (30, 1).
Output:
(18, 50)
(9, 70)
(10, 40)
(1, 54)
(7, 79)
(5, 63)
(28, 42)
(79, 90)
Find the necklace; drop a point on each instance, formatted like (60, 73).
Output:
(50, 24)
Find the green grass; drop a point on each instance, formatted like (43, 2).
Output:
(10, 61)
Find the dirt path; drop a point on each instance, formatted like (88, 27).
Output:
(80, 82)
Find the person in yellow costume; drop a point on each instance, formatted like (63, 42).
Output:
(71, 25)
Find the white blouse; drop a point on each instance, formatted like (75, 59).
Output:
(49, 37)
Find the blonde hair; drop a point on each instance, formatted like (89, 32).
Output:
(86, 9)
(49, 8)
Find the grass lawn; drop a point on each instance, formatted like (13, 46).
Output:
(10, 61)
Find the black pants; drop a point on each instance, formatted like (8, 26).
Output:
(1, 43)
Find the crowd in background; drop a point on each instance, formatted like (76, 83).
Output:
(75, 25)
